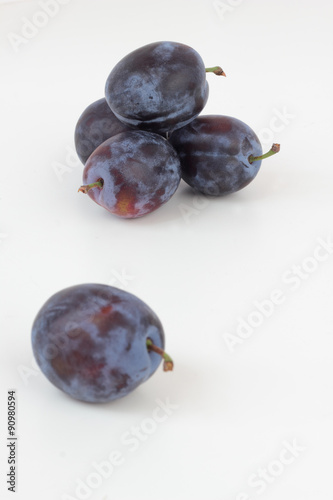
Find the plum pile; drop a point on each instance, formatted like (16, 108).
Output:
(147, 133)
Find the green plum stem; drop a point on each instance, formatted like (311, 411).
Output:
(168, 363)
(274, 149)
(84, 189)
(217, 70)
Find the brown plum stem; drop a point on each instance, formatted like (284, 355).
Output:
(168, 363)
(84, 189)
(274, 149)
(217, 70)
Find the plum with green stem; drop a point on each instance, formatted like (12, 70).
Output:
(219, 154)
(159, 87)
(132, 174)
(98, 343)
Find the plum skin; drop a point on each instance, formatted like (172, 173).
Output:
(140, 172)
(89, 340)
(159, 87)
(96, 124)
(214, 153)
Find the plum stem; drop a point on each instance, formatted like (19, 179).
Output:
(84, 189)
(274, 149)
(168, 363)
(217, 70)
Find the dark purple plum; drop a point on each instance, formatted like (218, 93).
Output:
(159, 87)
(218, 154)
(96, 124)
(97, 343)
(132, 173)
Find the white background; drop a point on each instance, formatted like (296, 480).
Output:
(203, 265)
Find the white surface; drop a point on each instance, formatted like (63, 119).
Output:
(201, 273)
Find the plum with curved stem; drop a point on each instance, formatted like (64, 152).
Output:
(96, 124)
(98, 343)
(159, 87)
(132, 173)
(219, 154)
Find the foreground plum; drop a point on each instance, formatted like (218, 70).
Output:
(219, 154)
(132, 173)
(96, 124)
(97, 343)
(159, 87)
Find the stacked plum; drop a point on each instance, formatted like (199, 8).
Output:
(146, 134)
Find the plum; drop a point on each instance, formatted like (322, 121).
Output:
(132, 173)
(97, 343)
(218, 154)
(96, 124)
(159, 87)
